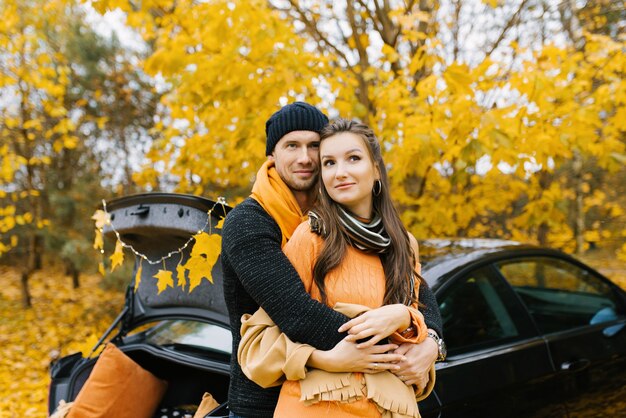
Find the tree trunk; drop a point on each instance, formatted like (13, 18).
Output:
(26, 299)
(37, 251)
(543, 229)
(72, 271)
(33, 259)
(542, 234)
(75, 279)
(579, 221)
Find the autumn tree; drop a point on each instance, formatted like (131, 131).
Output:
(116, 111)
(226, 65)
(34, 120)
(481, 136)
(461, 124)
(77, 109)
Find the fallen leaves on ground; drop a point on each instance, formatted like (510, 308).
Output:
(61, 321)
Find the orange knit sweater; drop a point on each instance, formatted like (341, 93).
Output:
(358, 279)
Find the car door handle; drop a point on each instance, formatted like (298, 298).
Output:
(576, 365)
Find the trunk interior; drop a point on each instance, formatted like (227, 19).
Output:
(186, 384)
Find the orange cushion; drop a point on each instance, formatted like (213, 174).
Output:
(118, 387)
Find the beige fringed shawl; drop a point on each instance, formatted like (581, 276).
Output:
(268, 357)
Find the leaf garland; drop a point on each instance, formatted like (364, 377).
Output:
(188, 275)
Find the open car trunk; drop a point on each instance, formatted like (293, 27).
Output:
(159, 226)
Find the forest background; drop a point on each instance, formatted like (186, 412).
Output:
(498, 119)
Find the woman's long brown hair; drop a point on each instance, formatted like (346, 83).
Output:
(399, 260)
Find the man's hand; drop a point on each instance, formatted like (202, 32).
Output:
(419, 358)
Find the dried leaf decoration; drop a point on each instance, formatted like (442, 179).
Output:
(203, 257)
(164, 279)
(98, 242)
(101, 218)
(138, 276)
(118, 256)
(181, 281)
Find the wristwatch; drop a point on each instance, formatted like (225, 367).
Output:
(442, 351)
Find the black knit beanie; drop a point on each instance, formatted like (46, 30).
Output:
(297, 116)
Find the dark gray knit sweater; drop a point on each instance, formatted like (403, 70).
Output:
(256, 272)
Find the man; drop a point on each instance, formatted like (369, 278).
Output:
(257, 273)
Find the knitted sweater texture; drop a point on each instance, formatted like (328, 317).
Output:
(257, 273)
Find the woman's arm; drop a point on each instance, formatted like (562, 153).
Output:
(347, 357)
(379, 323)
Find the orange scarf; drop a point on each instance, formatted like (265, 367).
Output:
(277, 199)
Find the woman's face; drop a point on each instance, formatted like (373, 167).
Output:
(348, 172)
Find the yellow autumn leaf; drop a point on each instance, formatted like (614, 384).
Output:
(621, 253)
(98, 243)
(164, 280)
(181, 281)
(101, 218)
(592, 236)
(101, 122)
(207, 245)
(138, 276)
(117, 258)
(198, 268)
(458, 78)
(365, 40)
(70, 142)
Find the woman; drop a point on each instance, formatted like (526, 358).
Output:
(356, 256)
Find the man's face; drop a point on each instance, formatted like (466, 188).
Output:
(297, 159)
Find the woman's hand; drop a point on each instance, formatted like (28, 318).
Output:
(377, 324)
(346, 357)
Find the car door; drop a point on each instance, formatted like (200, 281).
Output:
(583, 320)
(497, 363)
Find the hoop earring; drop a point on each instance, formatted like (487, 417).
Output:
(378, 187)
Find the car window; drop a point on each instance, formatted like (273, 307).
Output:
(474, 313)
(191, 333)
(560, 295)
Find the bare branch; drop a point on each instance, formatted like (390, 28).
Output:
(457, 29)
(321, 39)
(509, 24)
(363, 90)
(389, 32)
(356, 32)
(408, 6)
(375, 22)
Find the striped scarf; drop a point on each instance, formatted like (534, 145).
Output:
(369, 237)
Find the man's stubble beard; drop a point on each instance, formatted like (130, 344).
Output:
(304, 185)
